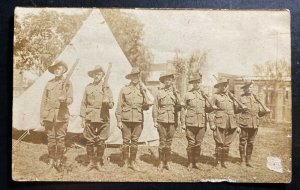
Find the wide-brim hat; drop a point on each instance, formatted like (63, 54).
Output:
(59, 63)
(134, 71)
(222, 81)
(97, 68)
(247, 84)
(163, 76)
(195, 77)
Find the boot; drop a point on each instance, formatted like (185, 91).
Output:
(99, 161)
(161, 159)
(125, 154)
(132, 159)
(190, 160)
(196, 157)
(167, 158)
(248, 155)
(59, 157)
(242, 156)
(51, 163)
(218, 157)
(224, 157)
(90, 154)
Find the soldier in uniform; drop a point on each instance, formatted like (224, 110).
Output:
(249, 122)
(94, 111)
(166, 104)
(223, 121)
(130, 118)
(54, 113)
(193, 119)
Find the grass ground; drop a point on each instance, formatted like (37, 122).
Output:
(29, 162)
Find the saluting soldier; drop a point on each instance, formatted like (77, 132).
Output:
(223, 121)
(166, 106)
(54, 113)
(130, 118)
(193, 119)
(94, 111)
(249, 121)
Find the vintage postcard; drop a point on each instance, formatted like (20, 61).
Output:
(151, 95)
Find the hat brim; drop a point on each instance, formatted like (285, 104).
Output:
(193, 80)
(131, 74)
(246, 86)
(162, 78)
(91, 73)
(52, 67)
(219, 84)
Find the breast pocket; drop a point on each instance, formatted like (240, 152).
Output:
(221, 103)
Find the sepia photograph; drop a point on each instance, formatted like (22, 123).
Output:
(151, 95)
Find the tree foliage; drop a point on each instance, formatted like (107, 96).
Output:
(128, 32)
(190, 65)
(39, 38)
(273, 69)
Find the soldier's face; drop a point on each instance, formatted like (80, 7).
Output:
(196, 84)
(224, 87)
(134, 79)
(168, 81)
(249, 89)
(59, 71)
(98, 76)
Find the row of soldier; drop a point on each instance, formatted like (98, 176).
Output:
(221, 110)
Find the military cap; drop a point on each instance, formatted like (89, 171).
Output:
(97, 68)
(59, 63)
(165, 75)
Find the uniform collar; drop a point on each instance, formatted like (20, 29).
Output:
(132, 86)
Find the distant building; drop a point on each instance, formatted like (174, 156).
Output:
(276, 95)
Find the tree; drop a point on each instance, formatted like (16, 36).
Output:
(275, 72)
(188, 66)
(128, 32)
(39, 38)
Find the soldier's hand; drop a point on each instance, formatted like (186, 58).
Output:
(82, 122)
(120, 125)
(155, 124)
(62, 98)
(213, 127)
(238, 130)
(183, 127)
(42, 123)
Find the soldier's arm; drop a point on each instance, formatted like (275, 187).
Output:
(43, 103)
(69, 99)
(110, 97)
(119, 106)
(83, 106)
(183, 110)
(211, 115)
(155, 109)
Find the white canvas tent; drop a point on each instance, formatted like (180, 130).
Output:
(93, 44)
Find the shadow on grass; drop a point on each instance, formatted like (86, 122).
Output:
(116, 158)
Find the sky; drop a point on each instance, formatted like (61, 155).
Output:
(234, 40)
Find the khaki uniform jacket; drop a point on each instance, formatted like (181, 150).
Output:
(131, 104)
(92, 107)
(196, 107)
(164, 106)
(51, 108)
(250, 118)
(225, 115)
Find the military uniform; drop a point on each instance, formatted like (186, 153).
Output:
(96, 115)
(225, 121)
(248, 121)
(164, 111)
(194, 117)
(131, 104)
(55, 115)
